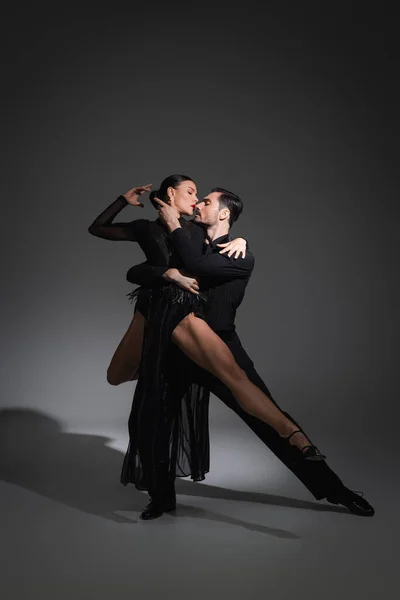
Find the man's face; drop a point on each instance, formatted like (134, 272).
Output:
(207, 210)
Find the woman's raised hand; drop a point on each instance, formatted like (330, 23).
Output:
(133, 195)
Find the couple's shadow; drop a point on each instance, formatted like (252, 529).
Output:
(81, 471)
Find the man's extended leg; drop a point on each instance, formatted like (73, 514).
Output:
(318, 477)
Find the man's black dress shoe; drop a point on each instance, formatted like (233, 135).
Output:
(352, 501)
(156, 508)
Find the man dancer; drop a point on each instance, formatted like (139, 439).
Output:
(225, 282)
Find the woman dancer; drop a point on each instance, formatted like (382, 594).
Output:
(168, 423)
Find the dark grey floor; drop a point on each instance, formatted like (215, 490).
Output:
(70, 530)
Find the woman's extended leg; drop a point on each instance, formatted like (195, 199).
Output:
(204, 347)
(125, 363)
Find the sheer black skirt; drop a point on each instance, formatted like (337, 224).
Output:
(168, 424)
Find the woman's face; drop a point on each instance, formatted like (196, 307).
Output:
(184, 196)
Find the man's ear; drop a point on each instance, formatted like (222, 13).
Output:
(224, 214)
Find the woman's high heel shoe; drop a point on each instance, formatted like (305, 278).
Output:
(309, 451)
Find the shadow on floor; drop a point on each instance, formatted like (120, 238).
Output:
(82, 472)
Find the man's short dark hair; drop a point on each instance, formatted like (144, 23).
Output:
(230, 201)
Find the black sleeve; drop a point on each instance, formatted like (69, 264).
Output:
(104, 227)
(211, 265)
(147, 274)
(197, 235)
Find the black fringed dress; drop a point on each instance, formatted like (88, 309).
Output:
(168, 424)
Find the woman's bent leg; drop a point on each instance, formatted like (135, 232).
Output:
(125, 363)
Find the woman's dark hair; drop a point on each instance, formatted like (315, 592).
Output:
(230, 201)
(170, 181)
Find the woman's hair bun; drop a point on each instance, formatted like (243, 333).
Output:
(153, 194)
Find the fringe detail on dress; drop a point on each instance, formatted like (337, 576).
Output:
(134, 293)
(176, 295)
(172, 294)
(168, 424)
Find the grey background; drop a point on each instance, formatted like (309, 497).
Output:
(295, 108)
